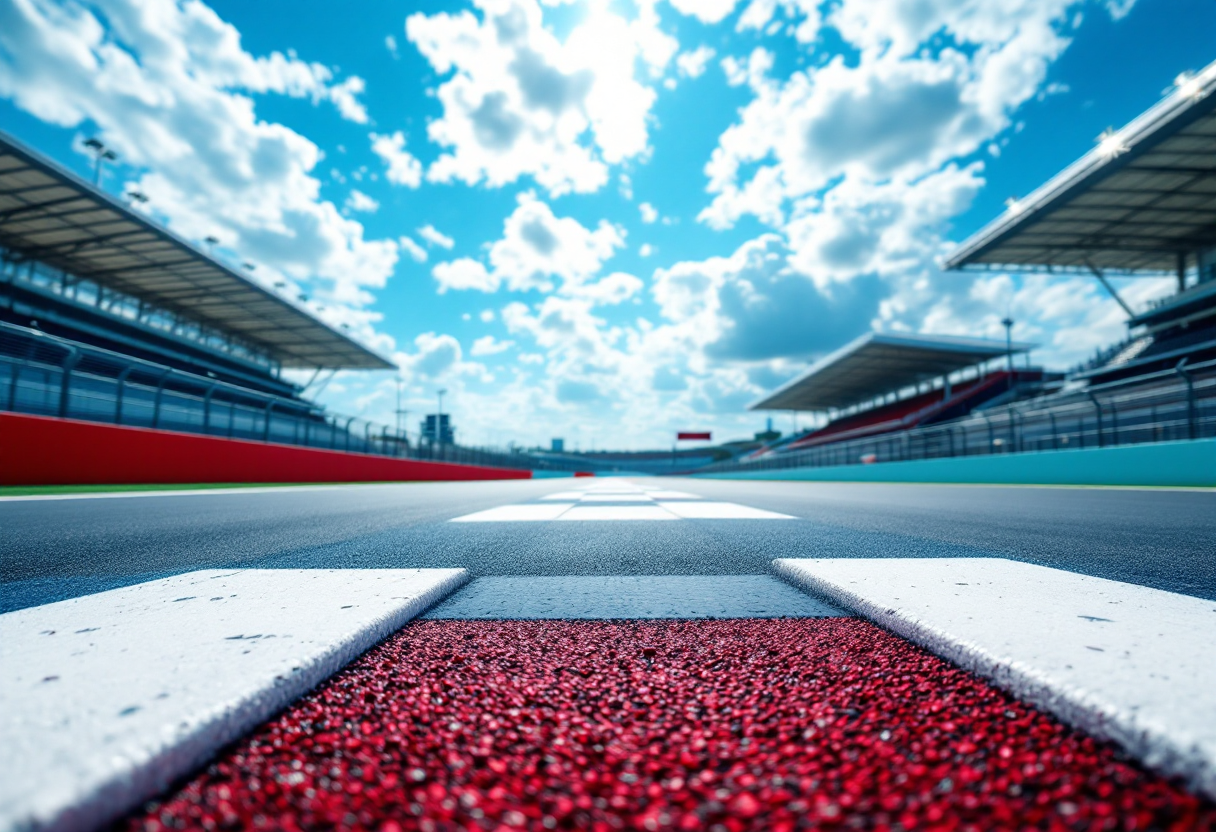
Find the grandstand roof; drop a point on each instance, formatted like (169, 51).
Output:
(877, 364)
(1132, 205)
(50, 215)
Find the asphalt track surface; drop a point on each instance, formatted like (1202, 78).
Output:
(63, 548)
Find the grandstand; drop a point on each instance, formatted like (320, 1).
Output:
(106, 316)
(1141, 204)
(884, 383)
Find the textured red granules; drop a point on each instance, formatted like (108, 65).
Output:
(717, 725)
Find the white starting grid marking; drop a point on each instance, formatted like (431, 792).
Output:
(111, 697)
(1125, 662)
(620, 501)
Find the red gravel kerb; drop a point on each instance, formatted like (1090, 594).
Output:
(719, 725)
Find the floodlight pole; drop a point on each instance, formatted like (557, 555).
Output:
(101, 154)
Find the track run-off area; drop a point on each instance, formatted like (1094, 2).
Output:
(608, 653)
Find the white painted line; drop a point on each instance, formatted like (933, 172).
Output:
(651, 512)
(672, 495)
(721, 511)
(1123, 662)
(615, 498)
(522, 512)
(564, 496)
(111, 697)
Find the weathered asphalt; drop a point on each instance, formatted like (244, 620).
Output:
(55, 549)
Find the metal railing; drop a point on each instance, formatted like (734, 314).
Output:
(46, 375)
(1158, 407)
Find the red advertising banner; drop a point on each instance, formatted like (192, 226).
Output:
(685, 434)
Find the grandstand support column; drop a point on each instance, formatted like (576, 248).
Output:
(65, 386)
(1109, 288)
(1190, 397)
(1181, 270)
(1055, 437)
(120, 385)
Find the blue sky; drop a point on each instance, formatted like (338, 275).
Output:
(605, 221)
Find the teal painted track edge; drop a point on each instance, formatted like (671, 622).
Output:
(1189, 463)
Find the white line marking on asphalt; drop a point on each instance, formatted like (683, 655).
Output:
(566, 496)
(111, 697)
(672, 495)
(1127, 663)
(513, 513)
(615, 498)
(617, 513)
(721, 511)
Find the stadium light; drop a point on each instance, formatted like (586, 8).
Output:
(101, 154)
(1110, 144)
(210, 242)
(136, 196)
(1188, 86)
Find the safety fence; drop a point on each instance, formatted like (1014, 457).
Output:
(1158, 407)
(45, 375)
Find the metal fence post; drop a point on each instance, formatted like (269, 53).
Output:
(1055, 442)
(1098, 411)
(266, 427)
(160, 389)
(65, 387)
(207, 408)
(1190, 397)
(122, 381)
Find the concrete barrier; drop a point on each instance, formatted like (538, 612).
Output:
(1187, 463)
(40, 450)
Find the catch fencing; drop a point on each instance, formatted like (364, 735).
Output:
(45, 375)
(1159, 407)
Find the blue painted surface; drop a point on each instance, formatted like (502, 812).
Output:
(1188, 463)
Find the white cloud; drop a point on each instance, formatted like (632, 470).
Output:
(403, 168)
(521, 102)
(436, 237)
(648, 212)
(759, 15)
(345, 97)
(465, 273)
(416, 252)
(612, 289)
(692, 64)
(706, 11)
(390, 43)
(752, 70)
(435, 356)
(488, 345)
(536, 248)
(361, 202)
(169, 87)
(486, 315)
(645, 250)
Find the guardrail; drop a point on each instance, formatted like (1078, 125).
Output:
(45, 375)
(1158, 407)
